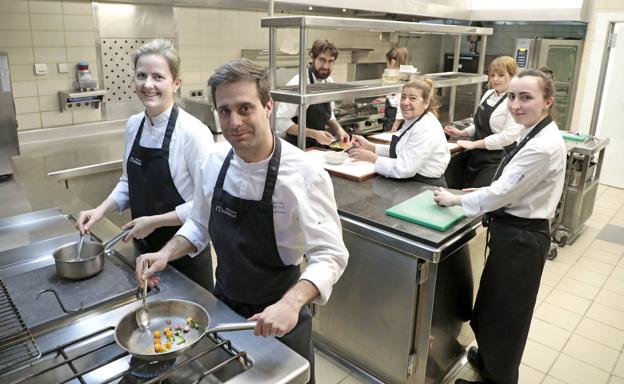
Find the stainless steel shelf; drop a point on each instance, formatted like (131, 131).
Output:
(369, 88)
(323, 22)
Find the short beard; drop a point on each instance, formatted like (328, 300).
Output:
(318, 75)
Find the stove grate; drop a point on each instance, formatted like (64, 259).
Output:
(18, 346)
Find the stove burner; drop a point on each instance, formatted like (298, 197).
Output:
(144, 370)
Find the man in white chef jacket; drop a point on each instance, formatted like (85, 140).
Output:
(322, 128)
(264, 206)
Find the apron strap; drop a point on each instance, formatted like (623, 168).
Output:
(173, 117)
(271, 178)
(224, 168)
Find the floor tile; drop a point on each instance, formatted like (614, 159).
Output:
(529, 375)
(552, 380)
(602, 216)
(614, 285)
(538, 356)
(595, 266)
(578, 288)
(617, 221)
(618, 272)
(587, 276)
(610, 299)
(606, 315)
(574, 371)
(619, 367)
(607, 246)
(557, 316)
(602, 255)
(544, 291)
(602, 333)
(329, 371)
(568, 301)
(568, 255)
(548, 334)
(556, 266)
(550, 278)
(616, 380)
(620, 264)
(611, 233)
(591, 352)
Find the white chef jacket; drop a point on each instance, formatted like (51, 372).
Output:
(504, 128)
(304, 212)
(422, 151)
(190, 143)
(395, 101)
(286, 111)
(531, 183)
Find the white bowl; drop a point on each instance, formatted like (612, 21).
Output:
(336, 158)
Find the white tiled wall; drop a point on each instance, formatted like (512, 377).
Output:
(50, 32)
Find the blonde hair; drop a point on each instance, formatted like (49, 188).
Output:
(503, 64)
(427, 90)
(160, 47)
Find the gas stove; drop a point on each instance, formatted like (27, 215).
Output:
(75, 333)
(360, 118)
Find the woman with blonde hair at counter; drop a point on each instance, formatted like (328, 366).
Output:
(165, 148)
(395, 57)
(418, 151)
(494, 128)
(517, 206)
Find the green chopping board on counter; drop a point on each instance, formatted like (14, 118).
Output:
(422, 210)
(572, 136)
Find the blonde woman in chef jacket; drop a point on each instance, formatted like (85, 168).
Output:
(418, 150)
(494, 128)
(165, 147)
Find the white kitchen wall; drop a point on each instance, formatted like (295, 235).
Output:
(49, 32)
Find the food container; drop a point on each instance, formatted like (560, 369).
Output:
(336, 158)
(390, 76)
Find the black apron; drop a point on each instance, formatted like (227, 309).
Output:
(152, 192)
(481, 163)
(435, 181)
(317, 116)
(250, 273)
(390, 113)
(509, 284)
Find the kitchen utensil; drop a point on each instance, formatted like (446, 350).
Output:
(69, 266)
(142, 313)
(335, 157)
(350, 148)
(80, 247)
(421, 209)
(168, 313)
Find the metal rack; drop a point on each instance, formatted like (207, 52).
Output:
(583, 166)
(360, 89)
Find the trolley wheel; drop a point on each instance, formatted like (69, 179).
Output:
(552, 253)
(562, 241)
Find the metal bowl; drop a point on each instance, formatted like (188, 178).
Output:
(69, 266)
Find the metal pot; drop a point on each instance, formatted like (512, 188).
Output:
(90, 262)
(137, 342)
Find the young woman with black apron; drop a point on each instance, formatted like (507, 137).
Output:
(517, 207)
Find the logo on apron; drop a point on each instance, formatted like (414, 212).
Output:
(226, 211)
(134, 160)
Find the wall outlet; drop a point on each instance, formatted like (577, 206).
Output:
(41, 69)
(197, 92)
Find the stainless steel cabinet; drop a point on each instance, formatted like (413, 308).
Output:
(8, 122)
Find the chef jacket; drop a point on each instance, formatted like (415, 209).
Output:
(190, 143)
(423, 150)
(504, 127)
(531, 183)
(286, 111)
(304, 212)
(395, 101)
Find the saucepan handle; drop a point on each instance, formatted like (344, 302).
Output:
(115, 239)
(229, 327)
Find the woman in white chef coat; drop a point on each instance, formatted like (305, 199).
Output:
(165, 147)
(418, 150)
(517, 205)
(395, 57)
(494, 128)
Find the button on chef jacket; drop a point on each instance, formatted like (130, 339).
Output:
(422, 150)
(530, 185)
(504, 128)
(286, 111)
(304, 212)
(190, 143)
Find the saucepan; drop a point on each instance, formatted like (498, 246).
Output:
(167, 314)
(71, 265)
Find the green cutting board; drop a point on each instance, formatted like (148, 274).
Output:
(421, 209)
(572, 136)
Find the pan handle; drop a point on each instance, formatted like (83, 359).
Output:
(115, 239)
(229, 327)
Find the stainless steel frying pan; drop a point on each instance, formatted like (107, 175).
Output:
(131, 338)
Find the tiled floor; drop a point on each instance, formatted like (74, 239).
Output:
(577, 333)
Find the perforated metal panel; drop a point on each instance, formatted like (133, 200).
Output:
(118, 69)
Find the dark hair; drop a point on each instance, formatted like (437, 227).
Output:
(398, 54)
(242, 70)
(323, 46)
(546, 83)
(162, 48)
(426, 88)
